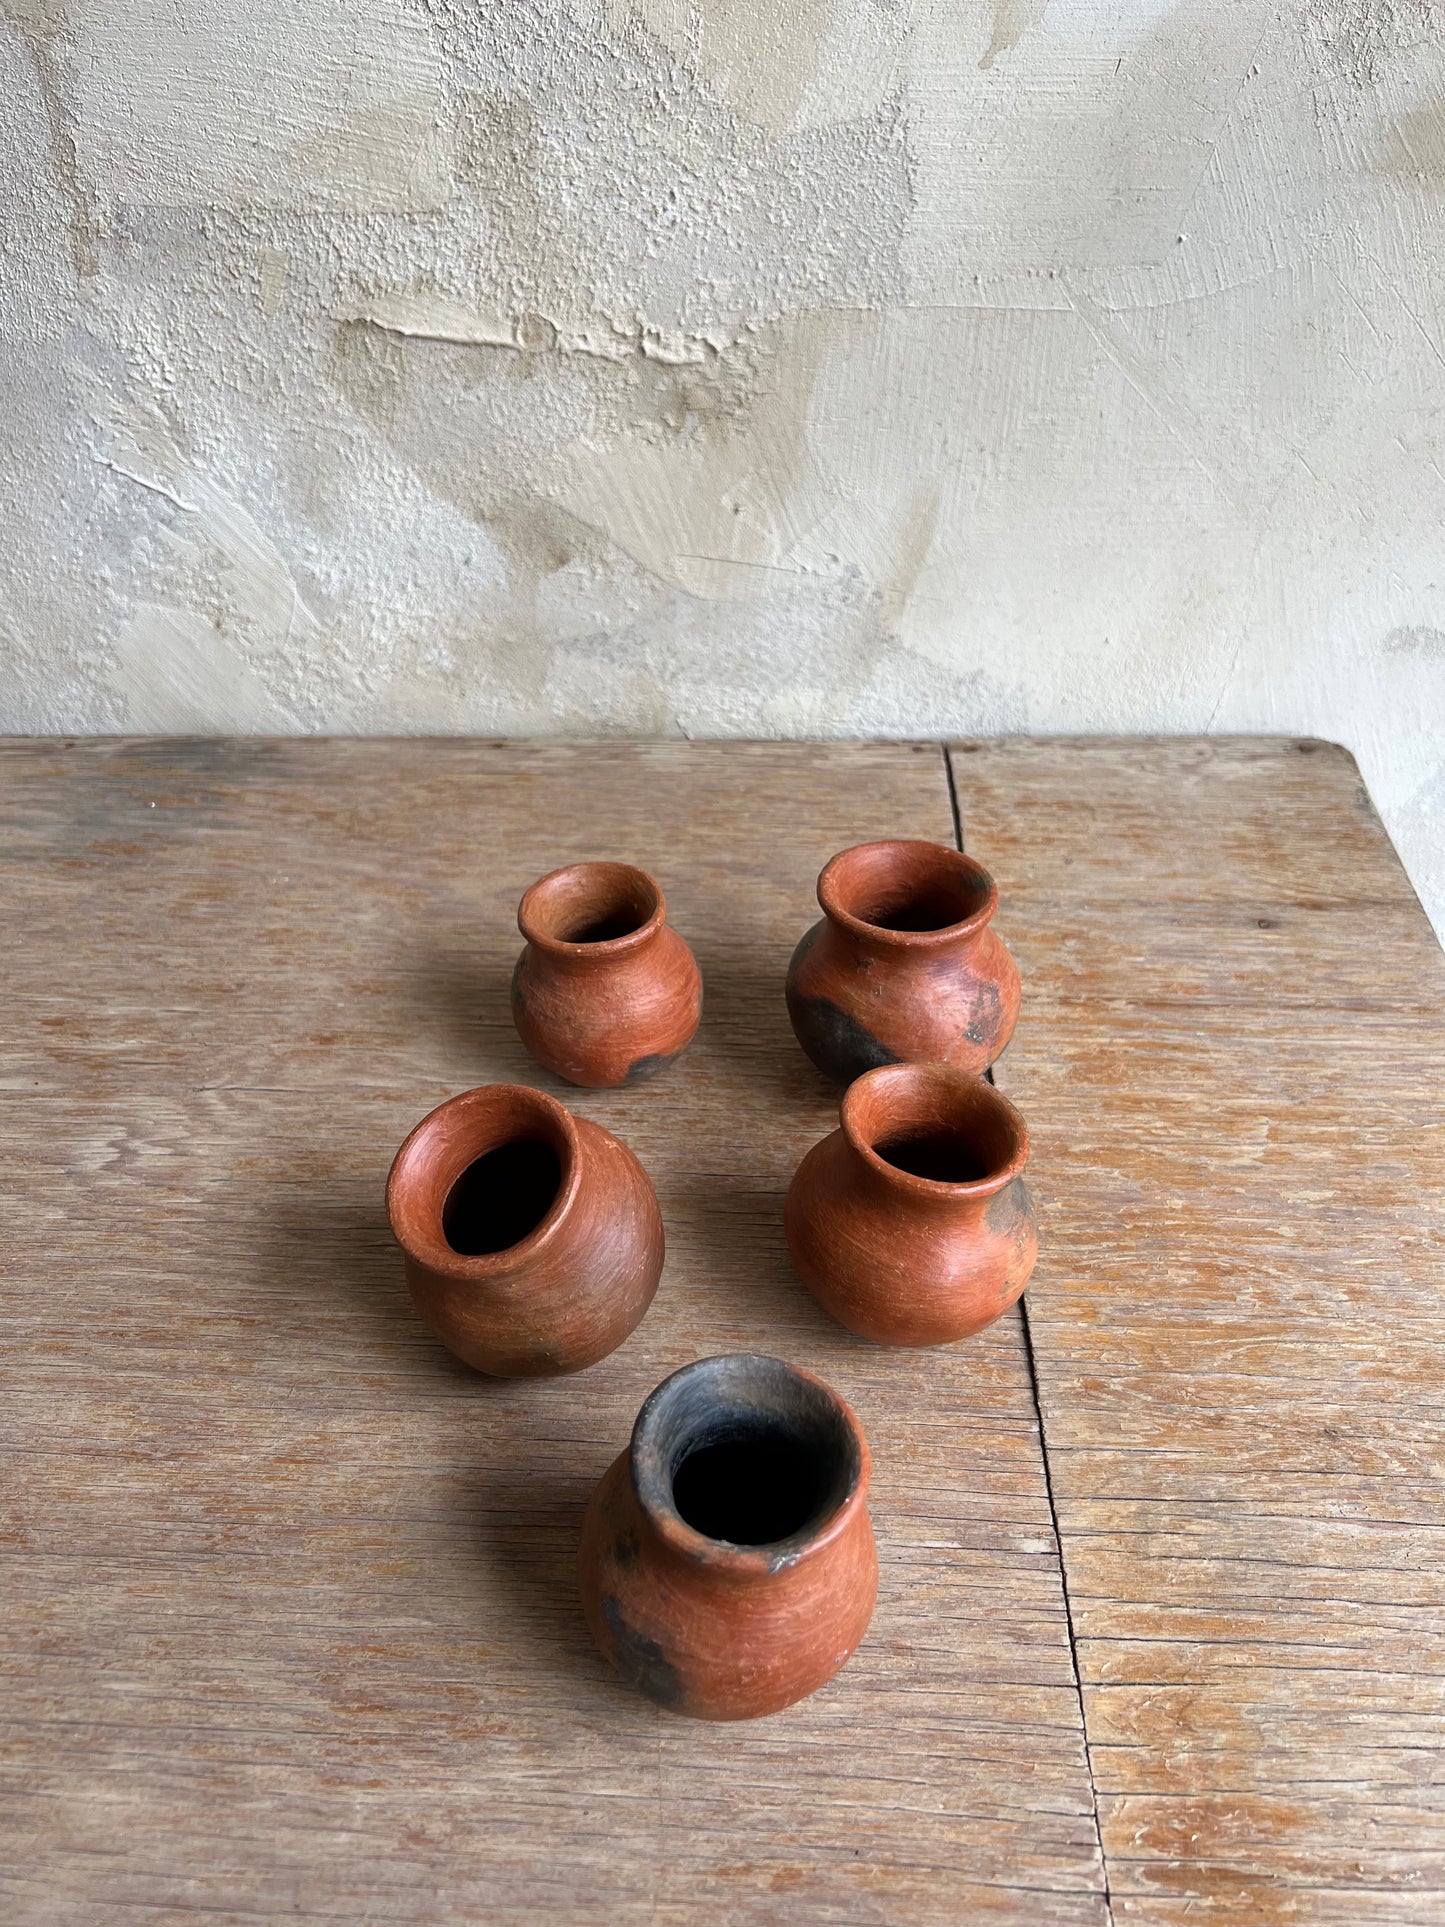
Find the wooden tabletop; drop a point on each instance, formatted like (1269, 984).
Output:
(289, 1625)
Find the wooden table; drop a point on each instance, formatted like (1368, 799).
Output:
(289, 1619)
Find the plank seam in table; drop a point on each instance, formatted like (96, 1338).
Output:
(1028, 1345)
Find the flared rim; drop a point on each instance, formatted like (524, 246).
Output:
(852, 881)
(592, 888)
(733, 1395)
(902, 1100)
(450, 1139)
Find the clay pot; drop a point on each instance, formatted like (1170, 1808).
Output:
(911, 1224)
(533, 1240)
(605, 992)
(728, 1565)
(903, 967)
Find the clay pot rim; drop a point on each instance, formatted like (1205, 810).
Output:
(724, 1557)
(871, 1082)
(610, 946)
(829, 883)
(419, 1231)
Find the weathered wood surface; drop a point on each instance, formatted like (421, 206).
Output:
(1231, 1057)
(290, 1625)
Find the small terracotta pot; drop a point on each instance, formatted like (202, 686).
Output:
(728, 1565)
(911, 1224)
(605, 992)
(903, 967)
(533, 1240)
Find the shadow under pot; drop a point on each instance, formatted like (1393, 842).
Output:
(533, 1240)
(904, 967)
(606, 992)
(728, 1565)
(911, 1224)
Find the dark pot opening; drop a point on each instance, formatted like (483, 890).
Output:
(589, 903)
(750, 1490)
(501, 1197)
(614, 923)
(745, 1450)
(921, 909)
(944, 1157)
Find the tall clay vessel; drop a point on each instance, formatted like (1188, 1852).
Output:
(606, 992)
(911, 1224)
(904, 967)
(533, 1240)
(728, 1565)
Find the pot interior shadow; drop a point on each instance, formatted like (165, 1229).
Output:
(943, 1157)
(751, 1491)
(501, 1197)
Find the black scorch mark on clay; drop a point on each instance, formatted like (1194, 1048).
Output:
(838, 1044)
(641, 1661)
(1009, 1211)
(984, 1017)
(645, 1067)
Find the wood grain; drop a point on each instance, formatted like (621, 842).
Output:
(1230, 1060)
(291, 1624)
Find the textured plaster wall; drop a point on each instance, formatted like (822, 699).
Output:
(728, 366)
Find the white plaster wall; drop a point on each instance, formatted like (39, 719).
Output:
(721, 366)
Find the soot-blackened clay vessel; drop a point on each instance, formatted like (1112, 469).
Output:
(911, 1223)
(606, 992)
(533, 1240)
(728, 1565)
(904, 967)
